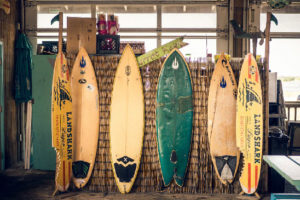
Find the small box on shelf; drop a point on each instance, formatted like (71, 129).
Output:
(108, 44)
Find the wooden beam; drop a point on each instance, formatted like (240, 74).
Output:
(266, 100)
(238, 17)
(60, 32)
(159, 24)
(7, 33)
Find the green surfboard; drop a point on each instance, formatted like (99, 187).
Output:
(174, 117)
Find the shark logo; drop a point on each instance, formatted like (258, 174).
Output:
(82, 63)
(223, 83)
(61, 93)
(248, 95)
(175, 64)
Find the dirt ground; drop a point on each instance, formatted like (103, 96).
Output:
(18, 183)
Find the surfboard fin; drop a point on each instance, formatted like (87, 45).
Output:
(173, 157)
(80, 169)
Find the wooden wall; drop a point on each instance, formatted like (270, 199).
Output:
(7, 36)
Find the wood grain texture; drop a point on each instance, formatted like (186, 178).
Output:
(222, 116)
(85, 108)
(126, 121)
(7, 33)
(81, 32)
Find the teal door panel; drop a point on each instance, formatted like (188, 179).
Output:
(43, 155)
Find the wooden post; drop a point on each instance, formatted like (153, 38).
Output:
(60, 32)
(238, 17)
(254, 45)
(266, 99)
(28, 135)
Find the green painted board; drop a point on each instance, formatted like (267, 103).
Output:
(287, 166)
(43, 155)
(174, 117)
(285, 196)
(2, 149)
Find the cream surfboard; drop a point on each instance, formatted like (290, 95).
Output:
(126, 121)
(61, 118)
(221, 121)
(85, 118)
(249, 124)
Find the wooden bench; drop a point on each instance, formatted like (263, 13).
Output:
(287, 166)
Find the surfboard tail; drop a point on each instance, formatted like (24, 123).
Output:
(63, 172)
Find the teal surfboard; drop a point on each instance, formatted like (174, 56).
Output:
(174, 117)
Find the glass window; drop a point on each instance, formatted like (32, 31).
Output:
(189, 16)
(189, 20)
(283, 53)
(137, 20)
(44, 20)
(197, 47)
(286, 22)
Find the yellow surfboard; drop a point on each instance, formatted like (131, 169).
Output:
(61, 122)
(85, 118)
(126, 121)
(221, 121)
(249, 124)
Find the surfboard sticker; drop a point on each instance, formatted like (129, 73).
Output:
(174, 117)
(249, 124)
(61, 122)
(222, 121)
(85, 118)
(126, 121)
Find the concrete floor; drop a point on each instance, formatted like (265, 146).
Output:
(18, 183)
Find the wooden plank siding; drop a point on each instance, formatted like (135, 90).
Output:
(8, 30)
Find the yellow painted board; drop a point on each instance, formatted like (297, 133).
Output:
(126, 121)
(222, 121)
(84, 90)
(249, 124)
(61, 122)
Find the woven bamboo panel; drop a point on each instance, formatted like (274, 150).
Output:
(200, 175)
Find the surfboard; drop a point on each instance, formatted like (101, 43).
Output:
(222, 121)
(84, 90)
(61, 122)
(61, 119)
(126, 121)
(174, 117)
(249, 124)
